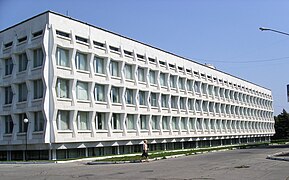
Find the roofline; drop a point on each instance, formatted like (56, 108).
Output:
(49, 11)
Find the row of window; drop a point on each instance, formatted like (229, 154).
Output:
(81, 62)
(23, 91)
(140, 57)
(118, 121)
(22, 61)
(23, 39)
(145, 98)
(132, 72)
(22, 127)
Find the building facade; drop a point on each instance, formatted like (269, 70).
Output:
(89, 92)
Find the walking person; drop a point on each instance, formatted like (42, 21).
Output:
(145, 150)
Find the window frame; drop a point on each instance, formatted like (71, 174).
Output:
(60, 53)
(80, 88)
(38, 57)
(99, 93)
(38, 89)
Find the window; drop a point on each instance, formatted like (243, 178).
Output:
(163, 79)
(205, 106)
(63, 120)
(100, 121)
(98, 65)
(152, 77)
(81, 39)
(37, 57)
(174, 100)
(62, 88)
(8, 124)
(142, 98)
(140, 56)
(63, 34)
(165, 122)
(141, 74)
(99, 94)
(114, 48)
(22, 126)
(183, 123)
(81, 61)
(23, 61)
(175, 123)
(197, 86)
(199, 124)
(115, 121)
(127, 52)
(162, 63)
(22, 92)
(189, 85)
(129, 96)
(82, 120)
(182, 103)
(192, 123)
(7, 45)
(172, 66)
(143, 122)
(153, 99)
(38, 121)
(37, 33)
(130, 121)
(164, 100)
(152, 60)
(210, 89)
(62, 57)
(204, 88)
(38, 89)
(113, 68)
(114, 95)
(191, 104)
(82, 90)
(173, 83)
(216, 91)
(182, 83)
(154, 123)
(206, 124)
(8, 95)
(8, 66)
(198, 105)
(99, 44)
(128, 71)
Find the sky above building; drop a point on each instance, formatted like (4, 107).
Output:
(223, 33)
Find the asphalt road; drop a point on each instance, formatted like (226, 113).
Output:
(234, 164)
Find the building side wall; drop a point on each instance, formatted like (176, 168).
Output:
(24, 38)
(183, 69)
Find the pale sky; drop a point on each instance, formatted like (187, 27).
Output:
(224, 33)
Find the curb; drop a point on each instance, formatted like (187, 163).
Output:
(28, 162)
(279, 156)
(111, 162)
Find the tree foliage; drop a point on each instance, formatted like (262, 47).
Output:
(281, 126)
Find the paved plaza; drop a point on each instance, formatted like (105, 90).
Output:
(234, 164)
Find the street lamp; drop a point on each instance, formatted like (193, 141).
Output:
(280, 32)
(273, 30)
(26, 122)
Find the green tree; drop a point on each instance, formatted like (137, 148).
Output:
(281, 126)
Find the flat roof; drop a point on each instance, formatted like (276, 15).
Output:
(49, 11)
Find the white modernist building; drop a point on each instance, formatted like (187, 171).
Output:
(89, 92)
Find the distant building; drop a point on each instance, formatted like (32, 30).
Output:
(288, 92)
(90, 92)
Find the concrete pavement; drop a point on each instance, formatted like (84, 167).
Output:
(224, 165)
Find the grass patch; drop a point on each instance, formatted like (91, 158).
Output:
(280, 141)
(186, 152)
